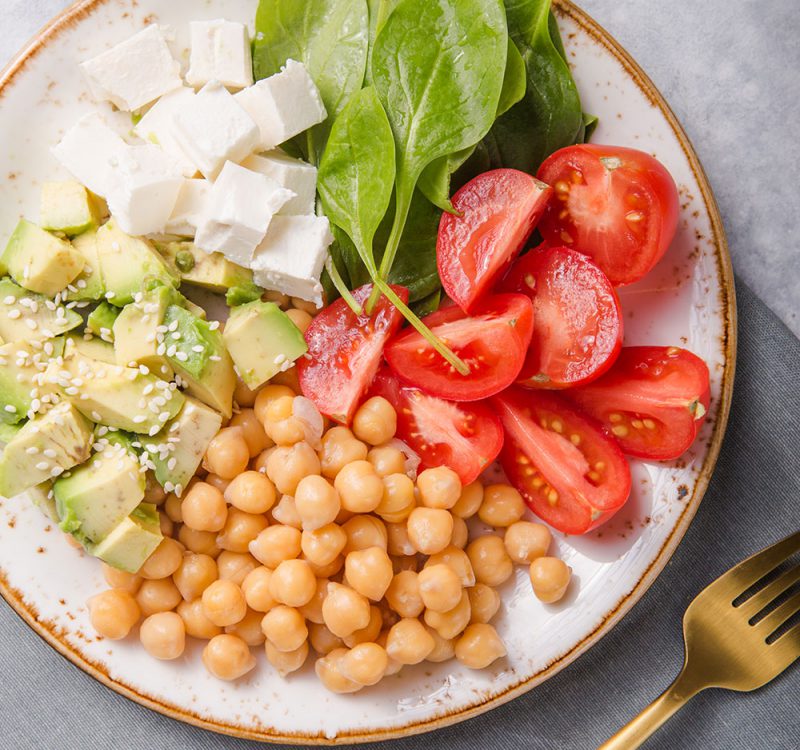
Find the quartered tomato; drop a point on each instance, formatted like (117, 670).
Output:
(617, 205)
(497, 211)
(466, 437)
(569, 471)
(578, 331)
(344, 352)
(492, 341)
(653, 400)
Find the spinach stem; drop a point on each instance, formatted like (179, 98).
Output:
(400, 216)
(341, 287)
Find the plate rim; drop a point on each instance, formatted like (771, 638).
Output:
(81, 9)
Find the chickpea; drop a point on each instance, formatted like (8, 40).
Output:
(398, 499)
(227, 454)
(403, 594)
(195, 574)
(549, 578)
(302, 304)
(369, 571)
(234, 566)
(201, 542)
(329, 570)
(456, 559)
(285, 512)
(242, 394)
(470, 500)
(266, 395)
(163, 635)
(484, 602)
(240, 529)
(153, 492)
(224, 603)
(159, 595)
(444, 650)
(285, 628)
(252, 431)
(259, 463)
(479, 646)
(288, 465)
(489, 559)
(365, 663)
(312, 610)
(502, 505)
(439, 487)
(339, 448)
(166, 524)
(317, 502)
(256, 590)
(398, 542)
(113, 613)
(280, 424)
(393, 666)
(450, 624)
(172, 507)
(525, 541)
(430, 529)
(119, 579)
(322, 640)
(375, 422)
(328, 669)
(439, 587)
(195, 621)
(460, 535)
(408, 642)
(218, 482)
(360, 488)
(286, 662)
(300, 318)
(293, 583)
(228, 657)
(280, 299)
(369, 633)
(276, 544)
(363, 532)
(387, 460)
(204, 508)
(251, 492)
(322, 546)
(248, 628)
(345, 610)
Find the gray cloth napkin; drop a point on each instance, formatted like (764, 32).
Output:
(48, 704)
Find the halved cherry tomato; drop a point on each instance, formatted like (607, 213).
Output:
(466, 437)
(498, 210)
(568, 471)
(653, 400)
(344, 352)
(492, 342)
(617, 205)
(578, 331)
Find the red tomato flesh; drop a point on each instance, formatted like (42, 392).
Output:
(653, 400)
(497, 211)
(493, 342)
(466, 437)
(344, 352)
(617, 205)
(578, 331)
(568, 471)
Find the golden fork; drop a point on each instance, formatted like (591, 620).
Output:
(736, 637)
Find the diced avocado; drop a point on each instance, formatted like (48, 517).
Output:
(263, 341)
(25, 315)
(242, 294)
(101, 321)
(131, 541)
(40, 261)
(68, 207)
(9, 431)
(177, 459)
(200, 358)
(89, 283)
(43, 498)
(99, 494)
(195, 310)
(126, 262)
(137, 334)
(208, 270)
(22, 368)
(45, 448)
(93, 347)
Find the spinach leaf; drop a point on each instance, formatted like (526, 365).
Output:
(428, 305)
(379, 11)
(515, 81)
(589, 126)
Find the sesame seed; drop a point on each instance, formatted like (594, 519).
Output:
(213, 325)
(173, 326)
(56, 470)
(31, 450)
(139, 418)
(49, 452)
(182, 356)
(10, 408)
(10, 300)
(110, 295)
(154, 430)
(96, 417)
(163, 417)
(144, 369)
(81, 284)
(215, 358)
(199, 348)
(42, 466)
(14, 314)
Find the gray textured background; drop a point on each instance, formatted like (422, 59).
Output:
(729, 68)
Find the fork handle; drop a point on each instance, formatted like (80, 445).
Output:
(633, 734)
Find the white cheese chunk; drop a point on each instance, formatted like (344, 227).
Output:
(91, 151)
(220, 52)
(134, 72)
(292, 255)
(283, 105)
(191, 206)
(213, 128)
(293, 174)
(157, 125)
(240, 207)
(146, 191)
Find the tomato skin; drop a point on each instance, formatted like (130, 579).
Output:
(659, 397)
(617, 205)
(466, 437)
(493, 342)
(573, 303)
(344, 353)
(498, 211)
(574, 479)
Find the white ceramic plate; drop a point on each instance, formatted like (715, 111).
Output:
(687, 300)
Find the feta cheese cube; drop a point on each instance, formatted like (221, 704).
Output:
(157, 125)
(191, 206)
(220, 52)
(283, 105)
(213, 128)
(240, 206)
(91, 151)
(146, 191)
(134, 72)
(292, 255)
(293, 174)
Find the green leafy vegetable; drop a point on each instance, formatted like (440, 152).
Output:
(428, 305)
(515, 80)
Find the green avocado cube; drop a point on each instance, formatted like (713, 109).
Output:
(93, 347)
(40, 261)
(45, 448)
(89, 283)
(263, 341)
(26, 316)
(131, 541)
(101, 321)
(43, 498)
(68, 207)
(9, 431)
(137, 335)
(211, 271)
(22, 368)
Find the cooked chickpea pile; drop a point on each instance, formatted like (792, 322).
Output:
(292, 539)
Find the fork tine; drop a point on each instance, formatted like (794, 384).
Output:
(779, 615)
(770, 593)
(787, 647)
(751, 570)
